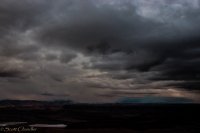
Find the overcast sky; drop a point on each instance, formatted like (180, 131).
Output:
(99, 50)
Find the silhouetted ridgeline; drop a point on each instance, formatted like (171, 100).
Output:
(33, 103)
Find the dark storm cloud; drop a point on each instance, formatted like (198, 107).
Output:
(10, 74)
(19, 51)
(115, 93)
(158, 40)
(103, 29)
(119, 38)
(107, 29)
(189, 85)
(16, 19)
(187, 70)
(15, 15)
(67, 57)
(180, 69)
(18, 23)
(52, 95)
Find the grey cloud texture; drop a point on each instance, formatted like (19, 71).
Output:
(62, 42)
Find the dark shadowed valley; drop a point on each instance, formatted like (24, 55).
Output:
(117, 118)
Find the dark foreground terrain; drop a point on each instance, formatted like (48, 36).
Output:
(106, 118)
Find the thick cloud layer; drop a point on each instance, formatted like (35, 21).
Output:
(92, 48)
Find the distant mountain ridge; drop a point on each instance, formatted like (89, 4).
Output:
(33, 103)
(150, 99)
(125, 100)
